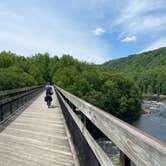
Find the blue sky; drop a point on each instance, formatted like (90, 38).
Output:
(90, 30)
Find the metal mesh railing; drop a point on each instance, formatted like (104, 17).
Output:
(10, 105)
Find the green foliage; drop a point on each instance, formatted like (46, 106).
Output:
(114, 92)
(7, 59)
(148, 70)
(18, 71)
(14, 77)
(35, 72)
(42, 61)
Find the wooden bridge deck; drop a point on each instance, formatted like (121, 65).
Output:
(38, 136)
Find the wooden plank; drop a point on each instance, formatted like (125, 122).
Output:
(35, 151)
(141, 148)
(7, 160)
(34, 128)
(37, 134)
(41, 157)
(38, 137)
(38, 123)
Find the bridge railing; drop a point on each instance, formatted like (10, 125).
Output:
(135, 145)
(18, 90)
(9, 104)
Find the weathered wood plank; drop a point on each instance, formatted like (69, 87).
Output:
(15, 161)
(39, 137)
(39, 123)
(140, 147)
(37, 152)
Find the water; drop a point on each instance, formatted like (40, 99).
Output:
(110, 149)
(153, 123)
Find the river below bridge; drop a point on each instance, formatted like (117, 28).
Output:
(153, 123)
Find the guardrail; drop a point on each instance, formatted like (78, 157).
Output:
(135, 145)
(18, 90)
(10, 105)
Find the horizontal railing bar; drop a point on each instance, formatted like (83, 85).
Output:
(141, 148)
(18, 90)
(4, 101)
(103, 159)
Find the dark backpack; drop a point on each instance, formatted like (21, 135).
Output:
(49, 90)
(48, 97)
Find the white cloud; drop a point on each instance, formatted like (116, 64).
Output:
(141, 17)
(129, 39)
(98, 31)
(157, 44)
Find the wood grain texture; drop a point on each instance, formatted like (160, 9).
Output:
(141, 148)
(37, 137)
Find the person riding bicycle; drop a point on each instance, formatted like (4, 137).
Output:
(49, 92)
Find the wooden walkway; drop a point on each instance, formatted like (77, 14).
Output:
(37, 137)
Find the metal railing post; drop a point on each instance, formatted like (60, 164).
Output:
(1, 112)
(10, 107)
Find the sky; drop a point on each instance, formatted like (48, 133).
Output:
(89, 30)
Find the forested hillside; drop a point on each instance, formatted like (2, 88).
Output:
(114, 92)
(148, 69)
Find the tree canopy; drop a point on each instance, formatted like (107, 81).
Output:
(114, 92)
(148, 70)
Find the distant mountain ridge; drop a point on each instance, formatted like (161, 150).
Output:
(139, 62)
(148, 70)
